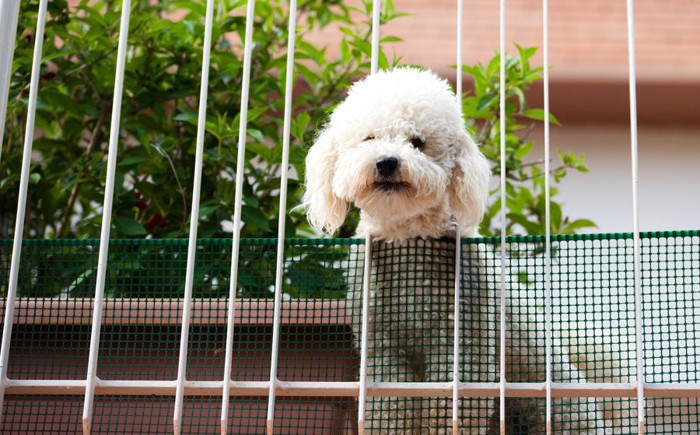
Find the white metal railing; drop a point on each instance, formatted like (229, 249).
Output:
(194, 220)
(228, 362)
(363, 383)
(458, 246)
(362, 389)
(639, 345)
(504, 210)
(24, 180)
(547, 220)
(289, 88)
(9, 14)
(92, 379)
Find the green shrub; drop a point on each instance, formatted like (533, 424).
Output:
(525, 190)
(158, 127)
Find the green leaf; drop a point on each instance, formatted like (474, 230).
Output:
(300, 124)
(297, 155)
(345, 50)
(388, 39)
(207, 209)
(253, 216)
(486, 101)
(256, 134)
(132, 160)
(128, 226)
(186, 116)
(521, 97)
(252, 201)
(77, 282)
(538, 114)
(494, 66)
(524, 55)
(261, 150)
(523, 150)
(555, 216)
(558, 174)
(530, 227)
(572, 227)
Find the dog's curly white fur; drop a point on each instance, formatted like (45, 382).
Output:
(397, 149)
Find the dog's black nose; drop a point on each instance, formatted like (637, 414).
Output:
(387, 166)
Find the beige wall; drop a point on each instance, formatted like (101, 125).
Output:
(588, 38)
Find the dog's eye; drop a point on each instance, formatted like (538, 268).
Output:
(370, 137)
(417, 142)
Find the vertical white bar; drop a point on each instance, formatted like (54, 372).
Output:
(9, 14)
(106, 217)
(236, 238)
(458, 76)
(458, 247)
(376, 13)
(635, 218)
(457, 331)
(289, 87)
(194, 220)
(548, 222)
(502, 117)
(22, 197)
(362, 399)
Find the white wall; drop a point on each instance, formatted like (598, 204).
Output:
(669, 176)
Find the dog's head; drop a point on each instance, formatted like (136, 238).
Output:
(396, 148)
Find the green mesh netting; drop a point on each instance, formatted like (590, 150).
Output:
(410, 329)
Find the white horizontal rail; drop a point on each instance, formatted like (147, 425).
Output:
(351, 389)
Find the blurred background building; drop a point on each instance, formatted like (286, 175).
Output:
(590, 93)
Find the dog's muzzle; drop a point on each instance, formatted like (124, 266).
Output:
(387, 176)
(387, 167)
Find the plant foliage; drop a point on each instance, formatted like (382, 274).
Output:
(158, 115)
(525, 177)
(157, 134)
(159, 110)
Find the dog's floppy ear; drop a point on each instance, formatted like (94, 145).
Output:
(469, 184)
(324, 210)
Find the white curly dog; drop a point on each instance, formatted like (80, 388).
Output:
(398, 150)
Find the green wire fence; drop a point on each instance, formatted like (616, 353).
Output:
(592, 313)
